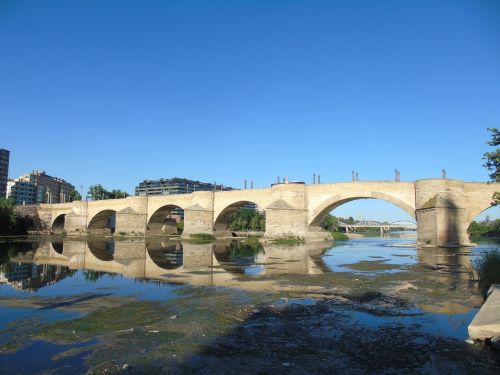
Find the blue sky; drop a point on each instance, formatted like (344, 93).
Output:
(114, 92)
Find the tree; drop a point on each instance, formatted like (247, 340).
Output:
(74, 196)
(493, 158)
(114, 194)
(10, 222)
(6, 215)
(97, 192)
(247, 219)
(493, 161)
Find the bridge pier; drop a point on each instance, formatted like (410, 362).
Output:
(75, 223)
(441, 214)
(284, 220)
(130, 222)
(197, 220)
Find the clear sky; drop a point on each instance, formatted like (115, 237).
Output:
(114, 92)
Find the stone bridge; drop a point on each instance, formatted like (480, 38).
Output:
(442, 208)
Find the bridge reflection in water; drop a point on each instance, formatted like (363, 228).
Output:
(219, 263)
(227, 264)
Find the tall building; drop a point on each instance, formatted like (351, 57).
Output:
(23, 192)
(175, 185)
(38, 187)
(4, 171)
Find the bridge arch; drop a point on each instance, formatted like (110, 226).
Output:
(165, 219)
(481, 223)
(474, 212)
(332, 203)
(58, 223)
(221, 222)
(104, 220)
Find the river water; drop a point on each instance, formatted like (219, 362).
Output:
(107, 305)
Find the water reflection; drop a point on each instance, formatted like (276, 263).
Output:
(171, 261)
(241, 264)
(165, 254)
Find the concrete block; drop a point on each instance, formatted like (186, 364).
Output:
(486, 323)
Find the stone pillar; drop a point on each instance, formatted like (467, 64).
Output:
(441, 213)
(132, 220)
(129, 222)
(285, 220)
(197, 220)
(75, 224)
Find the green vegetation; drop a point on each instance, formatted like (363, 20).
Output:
(485, 228)
(74, 196)
(330, 223)
(339, 236)
(93, 276)
(98, 192)
(493, 161)
(201, 237)
(289, 241)
(247, 219)
(180, 227)
(245, 249)
(10, 222)
(104, 320)
(487, 267)
(251, 240)
(493, 158)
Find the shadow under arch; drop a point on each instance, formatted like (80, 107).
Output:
(165, 219)
(102, 249)
(166, 255)
(58, 223)
(104, 220)
(338, 200)
(221, 223)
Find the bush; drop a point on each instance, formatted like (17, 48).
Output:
(487, 267)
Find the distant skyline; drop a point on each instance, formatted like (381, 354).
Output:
(116, 92)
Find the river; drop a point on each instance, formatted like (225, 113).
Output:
(367, 305)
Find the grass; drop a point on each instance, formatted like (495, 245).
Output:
(289, 241)
(487, 267)
(201, 237)
(339, 236)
